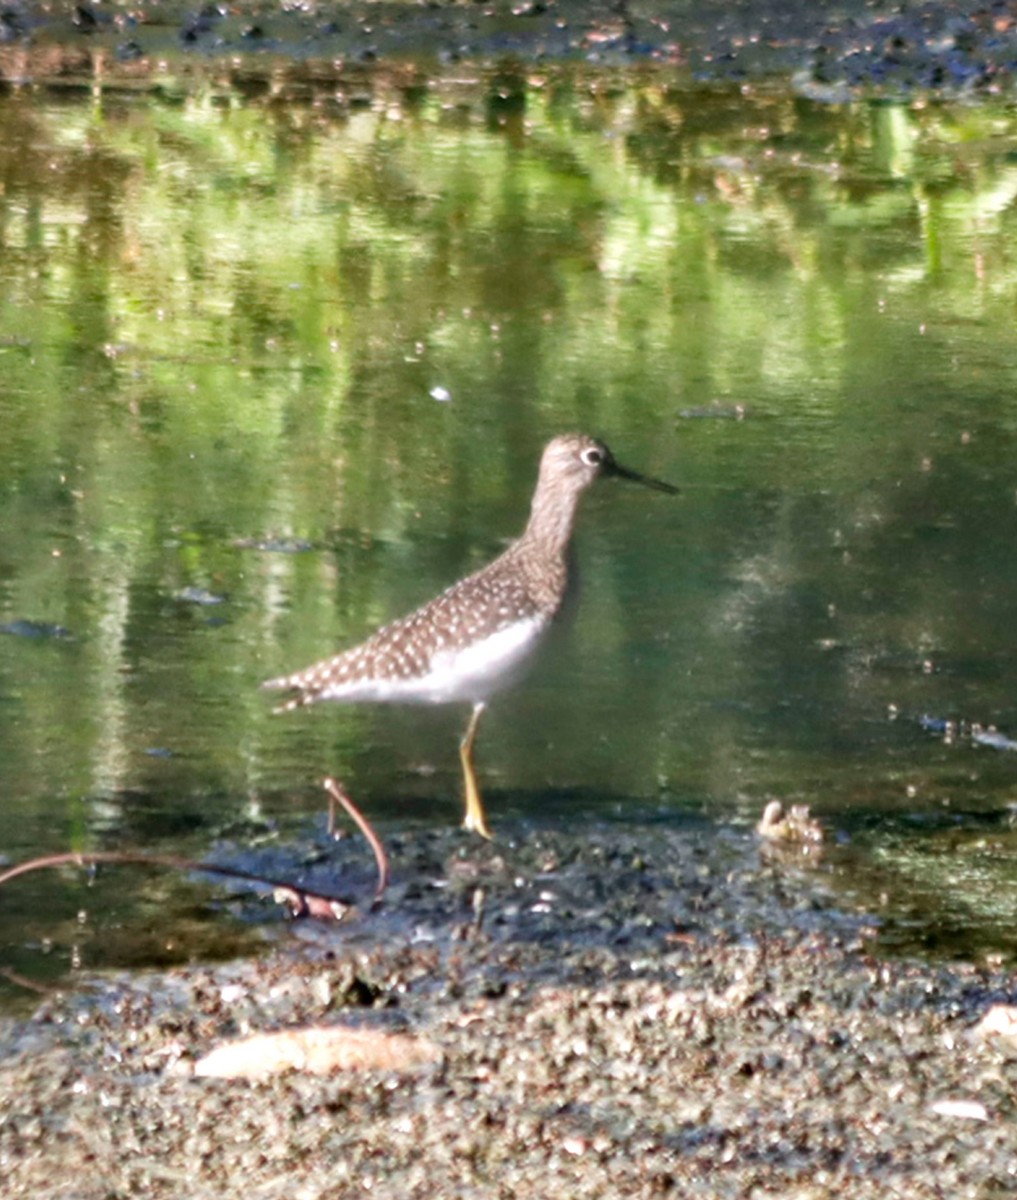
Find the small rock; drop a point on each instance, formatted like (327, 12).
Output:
(1000, 1021)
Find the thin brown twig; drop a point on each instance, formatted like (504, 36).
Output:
(22, 981)
(337, 795)
(301, 900)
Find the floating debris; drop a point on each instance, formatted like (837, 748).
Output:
(992, 738)
(199, 595)
(792, 827)
(950, 731)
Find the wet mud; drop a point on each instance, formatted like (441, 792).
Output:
(828, 52)
(612, 1010)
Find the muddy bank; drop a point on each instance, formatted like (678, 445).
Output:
(626, 1012)
(829, 52)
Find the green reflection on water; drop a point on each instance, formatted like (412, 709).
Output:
(224, 320)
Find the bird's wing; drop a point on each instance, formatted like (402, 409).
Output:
(469, 611)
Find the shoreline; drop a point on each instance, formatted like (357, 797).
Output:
(828, 54)
(617, 1011)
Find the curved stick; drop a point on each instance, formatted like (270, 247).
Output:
(336, 795)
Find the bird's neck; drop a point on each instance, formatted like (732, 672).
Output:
(552, 518)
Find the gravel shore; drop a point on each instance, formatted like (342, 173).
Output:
(622, 1012)
(830, 52)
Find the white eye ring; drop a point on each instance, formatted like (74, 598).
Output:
(592, 457)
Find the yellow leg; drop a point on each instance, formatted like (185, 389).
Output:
(475, 819)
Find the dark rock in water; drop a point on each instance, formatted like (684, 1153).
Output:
(934, 724)
(35, 629)
(199, 24)
(84, 18)
(12, 25)
(129, 51)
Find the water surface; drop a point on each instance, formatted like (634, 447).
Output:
(274, 373)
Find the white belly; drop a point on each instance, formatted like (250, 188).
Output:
(470, 674)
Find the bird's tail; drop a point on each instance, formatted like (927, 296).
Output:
(302, 696)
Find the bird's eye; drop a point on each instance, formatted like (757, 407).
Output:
(592, 457)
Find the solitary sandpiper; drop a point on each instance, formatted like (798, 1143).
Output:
(476, 637)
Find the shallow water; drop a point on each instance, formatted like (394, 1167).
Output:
(274, 373)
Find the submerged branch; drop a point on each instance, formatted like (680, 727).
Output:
(301, 901)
